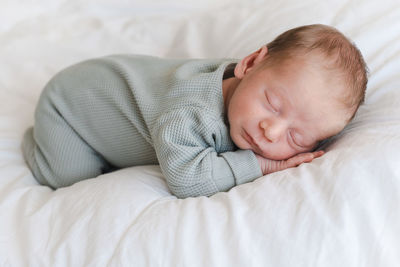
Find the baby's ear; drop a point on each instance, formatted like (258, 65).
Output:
(239, 71)
(262, 54)
(250, 61)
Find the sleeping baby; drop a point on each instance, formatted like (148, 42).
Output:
(210, 124)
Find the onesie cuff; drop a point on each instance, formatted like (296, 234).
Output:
(244, 165)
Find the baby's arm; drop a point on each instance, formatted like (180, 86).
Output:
(188, 146)
(269, 166)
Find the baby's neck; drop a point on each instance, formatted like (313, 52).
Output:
(228, 87)
(229, 84)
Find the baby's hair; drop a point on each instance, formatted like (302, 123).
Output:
(345, 58)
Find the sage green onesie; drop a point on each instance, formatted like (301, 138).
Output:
(127, 110)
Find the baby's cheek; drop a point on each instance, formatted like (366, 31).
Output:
(291, 152)
(304, 150)
(237, 139)
(278, 151)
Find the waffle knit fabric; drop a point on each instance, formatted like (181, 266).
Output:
(127, 110)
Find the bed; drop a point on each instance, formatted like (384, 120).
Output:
(340, 210)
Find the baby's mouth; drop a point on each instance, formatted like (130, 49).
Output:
(250, 140)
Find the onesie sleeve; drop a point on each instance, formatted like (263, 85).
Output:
(185, 144)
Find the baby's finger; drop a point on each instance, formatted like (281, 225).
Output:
(312, 155)
(299, 159)
(303, 158)
(307, 157)
(318, 153)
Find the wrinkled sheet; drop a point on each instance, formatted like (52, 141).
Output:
(340, 210)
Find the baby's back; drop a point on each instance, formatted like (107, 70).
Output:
(96, 99)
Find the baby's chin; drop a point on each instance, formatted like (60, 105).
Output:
(269, 154)
(275, 156)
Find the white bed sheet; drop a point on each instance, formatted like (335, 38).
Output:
(340, 210)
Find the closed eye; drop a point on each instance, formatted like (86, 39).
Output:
(293, 139)
(269, 103)
(296, 143)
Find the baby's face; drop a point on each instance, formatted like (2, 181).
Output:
(283, 110)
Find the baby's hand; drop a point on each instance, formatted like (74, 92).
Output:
(269, 166)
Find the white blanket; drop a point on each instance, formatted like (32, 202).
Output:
(340, 210)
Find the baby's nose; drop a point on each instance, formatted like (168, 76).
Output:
(272, 131)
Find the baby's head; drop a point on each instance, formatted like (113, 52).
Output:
(299, 89)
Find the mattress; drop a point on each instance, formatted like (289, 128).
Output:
(342, 209)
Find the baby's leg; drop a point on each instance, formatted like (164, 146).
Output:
(56, 155)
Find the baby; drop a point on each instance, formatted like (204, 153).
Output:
(210, 124)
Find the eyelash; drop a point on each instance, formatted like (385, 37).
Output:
(269, 102)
